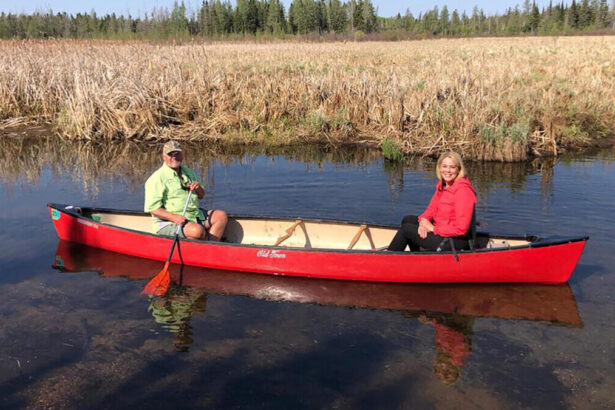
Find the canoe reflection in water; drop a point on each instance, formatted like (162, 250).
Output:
(450, 309)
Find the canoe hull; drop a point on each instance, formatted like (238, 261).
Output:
(547, 263)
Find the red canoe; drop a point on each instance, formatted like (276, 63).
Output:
(325, 249)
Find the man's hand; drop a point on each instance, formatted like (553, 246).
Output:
(168, 216)
(178, 219)
(197, 188)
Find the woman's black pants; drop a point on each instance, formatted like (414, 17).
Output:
(408, 235)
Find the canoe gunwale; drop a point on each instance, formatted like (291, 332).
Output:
(534, 241)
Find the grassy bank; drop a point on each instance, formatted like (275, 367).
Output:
(490, 99)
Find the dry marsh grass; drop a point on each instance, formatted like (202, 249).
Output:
(491, 99)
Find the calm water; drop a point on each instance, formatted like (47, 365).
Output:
(76, 333)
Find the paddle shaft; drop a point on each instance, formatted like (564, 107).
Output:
(178, 228)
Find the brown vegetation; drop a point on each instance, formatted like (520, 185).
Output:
(491, 99)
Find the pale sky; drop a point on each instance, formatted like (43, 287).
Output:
(138, 7)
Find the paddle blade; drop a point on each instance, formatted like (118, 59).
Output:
(159, 284)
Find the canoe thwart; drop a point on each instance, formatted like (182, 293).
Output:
(289, 232)
(356, 237)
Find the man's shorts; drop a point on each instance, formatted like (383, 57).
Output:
(170, 228)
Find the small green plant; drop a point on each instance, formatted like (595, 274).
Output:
(516, 133)
(487, 135)
(574, 134)
(319, 122)
(391, 150)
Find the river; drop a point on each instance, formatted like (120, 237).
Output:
(76, 333)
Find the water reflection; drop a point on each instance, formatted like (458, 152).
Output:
(130, 162)
(453, 340)
(175, 309)
(450, 309)
(86, 162)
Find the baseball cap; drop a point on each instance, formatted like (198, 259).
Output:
(171, 146)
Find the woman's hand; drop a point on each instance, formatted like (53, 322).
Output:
(424, 228)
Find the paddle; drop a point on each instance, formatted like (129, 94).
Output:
(160, 283)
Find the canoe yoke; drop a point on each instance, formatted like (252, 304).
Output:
(289, 232)
(356, 237)
(363, 228)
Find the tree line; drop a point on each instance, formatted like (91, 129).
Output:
(218, 19)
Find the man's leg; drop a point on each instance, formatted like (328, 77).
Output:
(215, 224)
(194, 231)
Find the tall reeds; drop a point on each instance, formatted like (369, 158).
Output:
(491, 99)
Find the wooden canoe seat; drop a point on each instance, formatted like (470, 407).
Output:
(288, 233)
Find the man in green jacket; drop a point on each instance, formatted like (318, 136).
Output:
(166, 192)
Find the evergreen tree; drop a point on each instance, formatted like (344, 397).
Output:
(370, 21)
(476, 20)
(560, 15)
(222, 13)
(304, 14)
(455, 23)
(525, 16)
(444, 21)
(603, 19)
(4, 31)
(429, 21)
(357, 15)
(585, 14)
(409, 21)
(573, 15)
(275, 23)
(205, 23)
(338, 19)
(514, 24)
(534, 18)
(322, 22)
(179, 22)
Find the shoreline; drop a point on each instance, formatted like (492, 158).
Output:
(32, 131)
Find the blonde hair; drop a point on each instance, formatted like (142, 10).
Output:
(456, 159)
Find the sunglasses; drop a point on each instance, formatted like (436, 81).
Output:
(182, 184)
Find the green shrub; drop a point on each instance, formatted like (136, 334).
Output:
(391, 150)
(319, 122)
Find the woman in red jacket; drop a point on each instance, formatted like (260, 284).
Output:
(448, 215)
